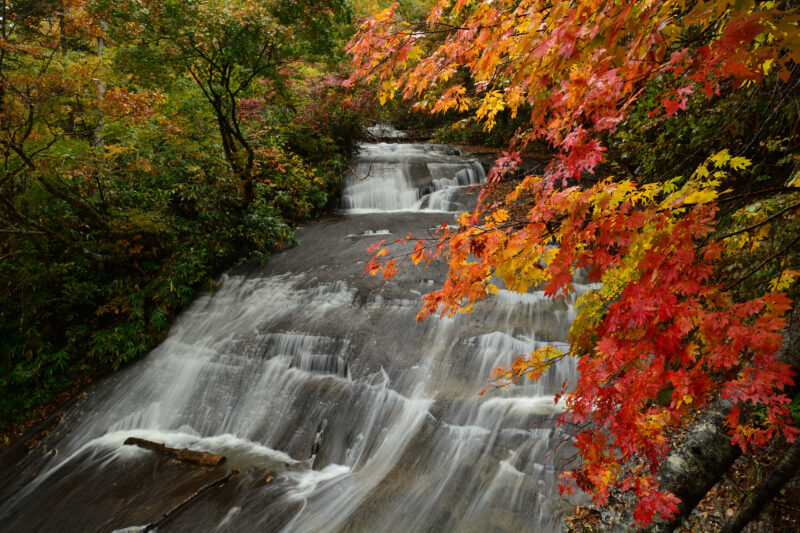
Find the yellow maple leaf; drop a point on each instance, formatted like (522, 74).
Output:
(500, 216)
(784, 281)
(703, 196)
(739, 163)
(720, 159)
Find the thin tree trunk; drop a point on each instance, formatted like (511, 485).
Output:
(63, 31)
(101, 86)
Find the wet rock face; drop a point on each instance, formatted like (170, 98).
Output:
(318, 385)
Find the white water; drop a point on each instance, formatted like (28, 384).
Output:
(309, 350)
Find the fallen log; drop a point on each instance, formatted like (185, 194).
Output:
(199, 492)
(698, 463)
(181, 454)
(691, 470)
(785, 470)
(706, 454)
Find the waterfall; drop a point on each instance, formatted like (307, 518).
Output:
(396, 177)
(316, 382)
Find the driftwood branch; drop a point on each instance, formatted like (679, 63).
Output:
(360, 178)
(199, 492)
(181, 454)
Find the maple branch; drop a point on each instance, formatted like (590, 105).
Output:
(763, 264)
(758, 193)
(775, 108)
(758, 224)
(20, 231)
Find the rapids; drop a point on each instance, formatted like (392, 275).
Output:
(340, 411)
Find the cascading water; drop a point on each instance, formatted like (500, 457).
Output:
(392, 177)
(339, 410)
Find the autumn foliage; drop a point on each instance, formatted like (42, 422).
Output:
(144, 148)
(667, 330)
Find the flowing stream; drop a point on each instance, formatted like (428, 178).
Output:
(340, 411)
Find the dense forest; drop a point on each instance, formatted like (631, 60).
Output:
(148, 146)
